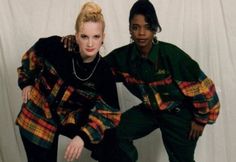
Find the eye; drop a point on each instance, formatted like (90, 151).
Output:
(83, 36)
(148, 27)
(134, 27)
(97, 36)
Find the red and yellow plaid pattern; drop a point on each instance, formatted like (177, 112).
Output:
(36, 117)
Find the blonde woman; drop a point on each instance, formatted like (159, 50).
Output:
(69, 93)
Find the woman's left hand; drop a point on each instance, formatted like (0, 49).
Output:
(74, 149)
(196, 131)
(69, 42)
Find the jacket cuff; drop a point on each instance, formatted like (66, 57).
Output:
(85, 137)
(72, 130)
(199, 123)
(22, 85)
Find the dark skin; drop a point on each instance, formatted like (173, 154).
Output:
(142, 35)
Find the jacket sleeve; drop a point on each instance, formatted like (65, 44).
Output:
(204, 98)
(196, 86)
(31, 65)
(106, 113)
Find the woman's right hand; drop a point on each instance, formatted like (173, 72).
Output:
(69, 42)
(26, 93)
(74, 149)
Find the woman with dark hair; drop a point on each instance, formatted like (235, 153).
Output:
(176, 95)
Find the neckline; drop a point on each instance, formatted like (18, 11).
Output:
(90, 75)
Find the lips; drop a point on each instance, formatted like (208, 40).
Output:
(141, 40)
(90, 50)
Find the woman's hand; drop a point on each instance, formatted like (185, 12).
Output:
(69, 42)
(196, 131)
(26, 93)
(74, 149)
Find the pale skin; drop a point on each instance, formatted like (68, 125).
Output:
(89, 38)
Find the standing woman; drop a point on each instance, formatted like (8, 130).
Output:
(69, 93)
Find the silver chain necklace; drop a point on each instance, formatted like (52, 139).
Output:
(84, 79)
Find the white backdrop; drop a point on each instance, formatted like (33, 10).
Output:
(205, 29)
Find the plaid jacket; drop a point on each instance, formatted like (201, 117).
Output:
(167, 78)
(56, 100)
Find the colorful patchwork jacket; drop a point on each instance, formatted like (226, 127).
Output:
(58, 98)
(165, 79)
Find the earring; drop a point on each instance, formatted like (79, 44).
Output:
(102, 50)
(155, 40)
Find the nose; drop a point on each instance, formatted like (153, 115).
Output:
(141, 31)
(90, 42)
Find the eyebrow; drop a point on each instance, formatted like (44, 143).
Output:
(142, 25)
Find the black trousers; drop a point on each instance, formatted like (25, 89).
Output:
(106, 151)
(36, 153)
(138, 122)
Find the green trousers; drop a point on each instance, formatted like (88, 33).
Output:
(138, 122)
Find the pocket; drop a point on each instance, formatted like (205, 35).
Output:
(38, 102)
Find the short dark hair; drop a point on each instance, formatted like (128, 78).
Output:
(145, 8)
